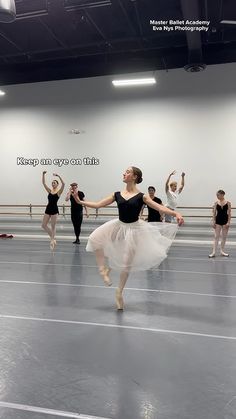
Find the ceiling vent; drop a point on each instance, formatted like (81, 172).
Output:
(195, 68)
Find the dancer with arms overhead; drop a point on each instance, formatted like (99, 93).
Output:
(51, 212)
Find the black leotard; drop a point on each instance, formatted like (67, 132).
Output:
(52, 207)
(222, 214)
(129, 209)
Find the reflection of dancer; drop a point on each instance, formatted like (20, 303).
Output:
(153, 214)
(52, 211)
(221, 222)
(129, 243)
(76, 209)
(172, 192)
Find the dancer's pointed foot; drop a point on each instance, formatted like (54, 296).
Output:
(212, 255)
(53, 244)
(119, 300)
(224, 254)
(104, 272)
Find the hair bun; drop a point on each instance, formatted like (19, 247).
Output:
(138, 173)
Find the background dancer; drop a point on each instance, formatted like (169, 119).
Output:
(153, 215)
(221, 222)
(51, 212)
(76, 209)
(172, 192)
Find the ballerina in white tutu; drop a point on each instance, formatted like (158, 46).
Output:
(130, 243)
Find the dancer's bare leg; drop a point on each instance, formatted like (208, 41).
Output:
(53, 226)
(45, 222)
(119, 297)
(128, 258)
(224, 233)
(216, 240)
(100, 258)
(103, 269)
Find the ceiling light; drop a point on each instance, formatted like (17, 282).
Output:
(134, 82)
(2, 93)
(7, 11)
(228, 22)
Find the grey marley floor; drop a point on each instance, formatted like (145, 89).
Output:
(66, 352)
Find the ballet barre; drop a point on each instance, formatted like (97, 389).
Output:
(110, 211)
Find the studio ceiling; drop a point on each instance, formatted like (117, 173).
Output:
(62, 39)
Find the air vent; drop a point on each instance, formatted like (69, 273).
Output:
(195, 68)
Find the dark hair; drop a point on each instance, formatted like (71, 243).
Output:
(151, 187)
(138, 173)
(221, 192)
(54, 180)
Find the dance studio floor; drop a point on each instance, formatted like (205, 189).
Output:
(66, 352)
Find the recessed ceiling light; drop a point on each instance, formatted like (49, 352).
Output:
(7, 11)
(134, 82)
(2, 93)
(228, 22)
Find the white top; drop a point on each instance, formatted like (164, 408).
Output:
(172, 199)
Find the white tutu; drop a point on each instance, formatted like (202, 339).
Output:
(134, 246)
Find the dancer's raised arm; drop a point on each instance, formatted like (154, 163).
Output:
(44, 182)
(168, 180)
(182, 182)
(62, 184)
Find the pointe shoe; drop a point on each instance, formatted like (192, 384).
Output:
(104, 272)
(224, 254)
(212, 255)
(119, 300)
(52, 244)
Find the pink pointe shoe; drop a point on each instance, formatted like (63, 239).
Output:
(53, 244)
(224, 254)
(119, 300)
(104, 272)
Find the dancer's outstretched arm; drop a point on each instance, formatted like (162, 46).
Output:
(98, 204)
(164, 209)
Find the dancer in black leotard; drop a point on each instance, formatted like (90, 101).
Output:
(51, 211)
(221, 222)
(130, 243)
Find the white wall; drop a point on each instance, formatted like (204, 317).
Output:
(186, 122)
